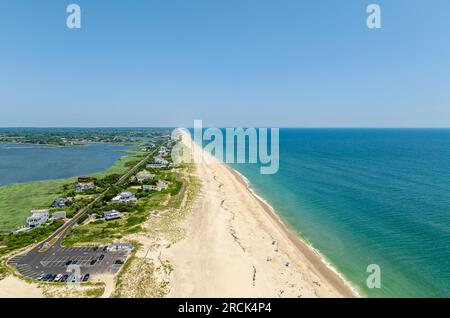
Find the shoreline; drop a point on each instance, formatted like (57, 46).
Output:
(237, 246)
(314, 256)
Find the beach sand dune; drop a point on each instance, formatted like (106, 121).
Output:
(13, 287)
(237, 247)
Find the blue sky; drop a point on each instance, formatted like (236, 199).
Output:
(302, 63)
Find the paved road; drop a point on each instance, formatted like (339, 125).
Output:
(50, 257)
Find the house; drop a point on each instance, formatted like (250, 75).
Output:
(160, 160)
(148, 187)
(124, 197)
(120, 247)
(59, 215)
(112, 215)
(84, 186)
(155, 166)
(85, 179)
(162, 151)
(162, 185)
(37, 217)
(60, 203)
(143, 175)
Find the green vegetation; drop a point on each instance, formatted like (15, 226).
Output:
(84, 290)
(133, 215)
(122, 165)
(10, 242)
(105, 231)
(79, 136)
(95, 292)
(3, 271)
(142, 277)
(17, 200)
(137, 280)
(82, 219)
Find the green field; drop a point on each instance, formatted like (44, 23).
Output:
(17, 200)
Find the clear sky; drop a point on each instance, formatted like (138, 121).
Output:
(305, 63)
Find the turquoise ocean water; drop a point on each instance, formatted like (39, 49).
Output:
(368, 196)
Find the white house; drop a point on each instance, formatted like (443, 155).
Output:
(160, 160)
(162, 185)
(124, 197)
(37, 217)
(120, 247)
(144, 175)
(155, 166)
(84, 186)
(112, 215)
(147, 187)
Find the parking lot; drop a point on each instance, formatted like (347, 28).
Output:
(60, 260)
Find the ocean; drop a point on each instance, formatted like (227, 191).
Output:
(368, 196)
(25, 163)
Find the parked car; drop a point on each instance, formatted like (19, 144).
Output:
(93, 261)
(118, 261)
(86, 277)
(40, 277)
(58, 277)
(64, 278)
(68, 262)
(105, 248)
(101, 257)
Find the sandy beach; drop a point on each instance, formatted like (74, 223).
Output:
(236, 246)
(233, 245)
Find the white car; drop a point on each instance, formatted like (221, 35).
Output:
(40, 276)
(58, 277)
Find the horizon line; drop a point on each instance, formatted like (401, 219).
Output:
(281, 127)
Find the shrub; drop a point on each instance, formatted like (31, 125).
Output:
(82, 219)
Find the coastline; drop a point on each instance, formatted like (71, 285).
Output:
(314, 256)
(237, 246)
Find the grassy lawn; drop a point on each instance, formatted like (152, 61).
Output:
(17, 200)
(123, 164)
